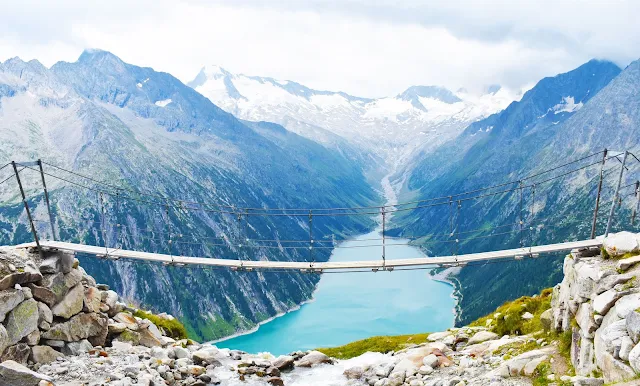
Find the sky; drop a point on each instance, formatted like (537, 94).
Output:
(368, 48)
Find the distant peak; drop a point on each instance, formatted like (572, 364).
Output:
(493, 89)
(413, 93)
(214, 71)
(96, 56)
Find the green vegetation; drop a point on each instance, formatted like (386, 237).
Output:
(607, 256)
(383, 344)
(540, 376)
(510, 321)
(173, 328)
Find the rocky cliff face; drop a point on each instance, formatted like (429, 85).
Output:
(599, 302)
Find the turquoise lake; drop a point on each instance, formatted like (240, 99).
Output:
(352, 306)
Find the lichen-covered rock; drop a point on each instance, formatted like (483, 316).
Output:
(81, 326)
(9, 299)
(24, 275)
(22, 321)
(15, 374)
(71, 304)
(129, 336)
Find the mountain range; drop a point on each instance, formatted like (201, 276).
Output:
(171, 164)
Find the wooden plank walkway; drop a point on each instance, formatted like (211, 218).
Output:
(318, 266)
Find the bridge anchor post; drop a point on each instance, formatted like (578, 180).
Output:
(595, 211)
(616, 194)
(26, 207)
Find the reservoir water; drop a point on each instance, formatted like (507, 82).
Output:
(352, 306)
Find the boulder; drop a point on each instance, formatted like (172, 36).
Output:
(438, 336)
(9, 299)
(627, 304)
(275, 381)
(633, 326)
(524, 363)
(92, 299)
(128, 320)
(110, 298)
(625, 264)
(71, 304)
(77, 348)
(313, 358)
(584, 318)
(22, 321)
(15, 374)
(634, 358)
(617, 244)
(354, 372)
(44, 354)
(611, 281)
(43, 294)
(81, 326)
(430, 360)
(27, 275)
(626, 345)
(45, 316)
(148, 339)
(17, 353)
(58, 262)
(482, 336)
(603, 302)
(4, 338)
(207, 355)
(283, 362)
(406, 367)
(116, 328)
(611, 335)
(33, 338)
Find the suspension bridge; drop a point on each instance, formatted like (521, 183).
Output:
(595, 163)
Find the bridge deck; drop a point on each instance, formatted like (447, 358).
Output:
(305, 266)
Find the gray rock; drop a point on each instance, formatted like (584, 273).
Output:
(207, 355)
(33, 338)
(116, 328)
(584, 381)
(28, 275)
(53, 343)
(26, 292)
(625, 264)
(17, 353)
(44, 314)
(148, 339)
(482, 336)
(43, 294)
(4, 338)
(603, 302)
(82, 326)
(128, 320)
(633, 326)
(22, 321)
(611, 335)
(584, 318)
(9, 299)
(283, 362)
(179, 352)
(354, 372)
(431, 360)
(634, 358)
(44, 354)
(609, 282)
(92, 299)
(71, 304)
(58, 262)
(110, 298)
(77, 348)
(313, 358)
(15, 374)
(626, 345)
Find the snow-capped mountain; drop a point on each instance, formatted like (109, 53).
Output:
(392, 127)
(153, 136)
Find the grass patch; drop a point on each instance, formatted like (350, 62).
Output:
(382, 344)
(173, 328)
(510, 320)
(607, 256)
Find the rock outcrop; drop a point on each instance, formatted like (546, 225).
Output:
(598, 302)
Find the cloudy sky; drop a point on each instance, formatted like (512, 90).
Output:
(363, 47)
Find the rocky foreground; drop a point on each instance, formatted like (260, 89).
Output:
(60, 328)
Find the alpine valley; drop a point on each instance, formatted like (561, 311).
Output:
(229, 140)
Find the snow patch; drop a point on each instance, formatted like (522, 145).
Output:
(567, 105)
(163, 103)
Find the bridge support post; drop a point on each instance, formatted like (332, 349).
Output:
(616, 194)
(384, 221)
(26, 207)
(595, 211)
(46, 197)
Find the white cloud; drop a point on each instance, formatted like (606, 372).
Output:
(368, 48)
